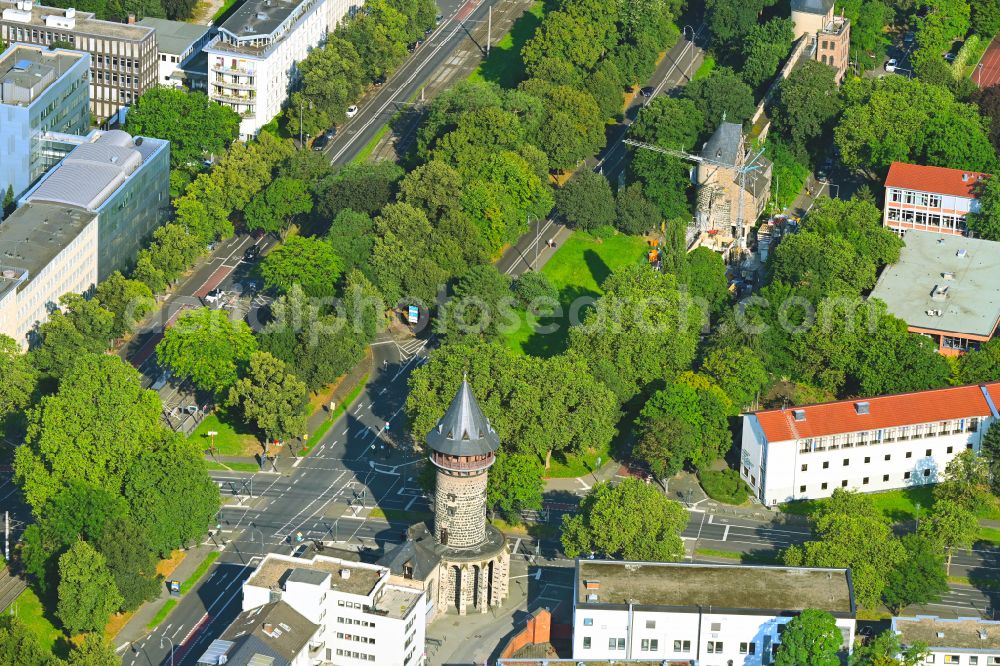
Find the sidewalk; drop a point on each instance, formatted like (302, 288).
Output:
(135, 629)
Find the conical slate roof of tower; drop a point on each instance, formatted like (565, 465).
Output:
(463, 430)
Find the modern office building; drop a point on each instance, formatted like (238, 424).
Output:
(352, 613)
(830, 34)
(179, 43)
(968, 641)
(945, 287)
(252, 61)
(46, 250)
(86, 218)
(123, 57)
(929, 198)
(869, 444)
(124, 180)
(40, 91)
(705, 614)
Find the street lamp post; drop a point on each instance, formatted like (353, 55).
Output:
(169, 640)
(211, 435)
(254, 528)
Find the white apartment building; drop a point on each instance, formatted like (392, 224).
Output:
(178, 43)
(252, 61)
(872, 444)
(711, 615)
(966, 641)
(363, 617)
(929, 198)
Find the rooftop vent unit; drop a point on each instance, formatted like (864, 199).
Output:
(592, 598)
(948, 275)
(939, 634)
(965, 177)
(961, 253)
(982, 634)
(940, 292)
(799, 414)
(261, 16)
(592, 584)
(934, 313)
(862, 408)
(345, 573)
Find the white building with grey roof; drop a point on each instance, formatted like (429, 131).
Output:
(362, 616)
(274, 634)
(705, 614)
(179, 43)
(40, 91)
(86, 218)
(252, 62)
(968, 641)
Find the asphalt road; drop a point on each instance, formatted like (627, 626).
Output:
(380, 105)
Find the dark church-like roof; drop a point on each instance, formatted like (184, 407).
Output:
(463, 430)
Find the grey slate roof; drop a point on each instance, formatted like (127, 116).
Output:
(249, 644)
(174, 37)
(463, 430)
(418, 551)
(812, 6)
(971, 304)
(723, 146)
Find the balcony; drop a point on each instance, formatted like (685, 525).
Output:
(222, 69)
(233, 99)
(237, 85)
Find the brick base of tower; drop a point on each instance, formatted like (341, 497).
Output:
(474, 580)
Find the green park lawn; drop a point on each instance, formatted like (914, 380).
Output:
(900, 506)
(29, 610)
(577, 270)
(705, 68)
(503, 66)
(233, 438)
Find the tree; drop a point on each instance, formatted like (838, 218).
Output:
(664, 442)
(951, 526)
(632, 521)
(170, 495)
(432, 187)
(988, 102)
(966, 482)
(766, 45)
(90, 430)
(642, 329)
(195, 126)
(852, 532)
(515, 484)
(93, 651)
(351, 237)
(82, 328)
(634, 213)
(402, 261)
(207, 347)
(573, 128)
(331, 79)
(885, 650)
(918, 579)
(7, 207)
(811, 637)
(130, 559)
(859, 222)
(19, 645)
(481, 305)
(821, 264)
(305, 260)
(706, 279)
(87, 592)
(364, 187)
(986, 222)
(738, 371)
(17, 379)
(869, 19)
(729, 23)
(533, 290)
(272, 399)
(273, 208)
(723, 93)
(806, 105)
(985, 17)
(586, 201)
(128, 300)
(990, 450)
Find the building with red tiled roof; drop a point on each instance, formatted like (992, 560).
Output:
(929, 198)
(868, 444)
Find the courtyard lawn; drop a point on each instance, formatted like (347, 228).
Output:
(577, 270)
(233, 438)
(504, 65)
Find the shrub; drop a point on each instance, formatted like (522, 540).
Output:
(725, 486)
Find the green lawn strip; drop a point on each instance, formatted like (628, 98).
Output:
(193, 579)
(745, 558)
(572, 466)
(162, 614)
(705, 68)
(503, 66)
(233, 438)
(317, 435)
(976, 582)
(231, 466)
(29, 610)
(226, 6)
(370, 146)
(789, 175)
(400, 515)
(897, 505)
(577, 270)
(989, 534)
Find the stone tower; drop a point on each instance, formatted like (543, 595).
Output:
(475, 563)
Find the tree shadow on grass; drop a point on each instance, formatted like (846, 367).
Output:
(504, 65)
(599, 270)
(551, 334)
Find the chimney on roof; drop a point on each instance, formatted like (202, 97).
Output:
(965, 177)
(268, 628)
(345, 573)
(131, 19)
(799, 414)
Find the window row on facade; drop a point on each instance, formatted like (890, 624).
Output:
(915, 198)
(926, 219)
(888, 435)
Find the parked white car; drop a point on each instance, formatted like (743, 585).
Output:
(352, 111)
(890, 65)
